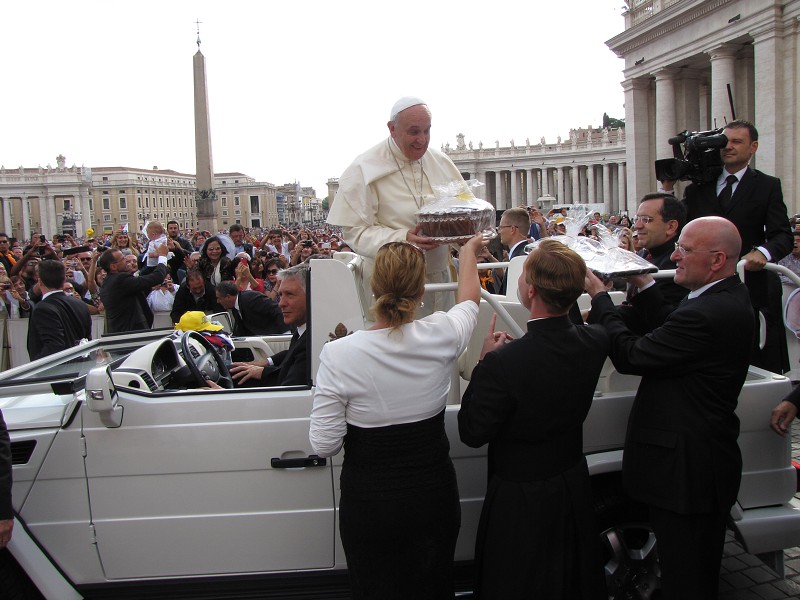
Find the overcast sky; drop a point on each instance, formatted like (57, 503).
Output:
(296, 89)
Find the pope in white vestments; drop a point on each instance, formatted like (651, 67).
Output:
(381, 191)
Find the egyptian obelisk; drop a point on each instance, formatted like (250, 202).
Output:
(205, 197)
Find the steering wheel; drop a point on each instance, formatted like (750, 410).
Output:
(208, 366)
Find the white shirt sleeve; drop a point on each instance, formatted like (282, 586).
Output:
(328, 423)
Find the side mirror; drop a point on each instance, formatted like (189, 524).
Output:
(101, 396)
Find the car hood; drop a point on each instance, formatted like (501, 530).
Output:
(37, 410)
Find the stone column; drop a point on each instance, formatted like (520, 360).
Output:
(533, 186)
(723, 59)
(770, 78)
(704, 107)
(590, 192)
(607, 186)
(637, 135)
(516, 196)
(26, 217)
(560, 196)
(545, 181)
(623, 197)
(52, 218)
(576, 184)
(666, 125)
(8, 225)
(687, 99)
(499, 187)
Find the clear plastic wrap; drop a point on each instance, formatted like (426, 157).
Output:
(455, 214)
(603, 256)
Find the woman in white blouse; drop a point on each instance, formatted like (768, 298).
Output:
(381, 394)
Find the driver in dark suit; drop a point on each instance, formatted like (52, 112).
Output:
(289, 367)
(681, 454)
(513, 230)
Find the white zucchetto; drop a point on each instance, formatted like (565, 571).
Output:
(404, 103)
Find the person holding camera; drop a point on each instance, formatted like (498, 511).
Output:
(753, 201)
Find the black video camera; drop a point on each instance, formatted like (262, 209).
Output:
(699, 160)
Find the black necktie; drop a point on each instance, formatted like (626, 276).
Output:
(726, 193)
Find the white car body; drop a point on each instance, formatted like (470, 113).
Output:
(140, 485)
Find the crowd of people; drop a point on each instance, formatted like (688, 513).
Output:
(128, 277)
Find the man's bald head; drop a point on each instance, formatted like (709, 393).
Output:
(708, 250)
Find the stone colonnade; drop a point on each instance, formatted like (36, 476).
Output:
(34, 202)
(588, 169)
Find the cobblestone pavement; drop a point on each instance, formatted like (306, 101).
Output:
(744, 577)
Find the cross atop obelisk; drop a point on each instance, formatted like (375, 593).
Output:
(205, 197)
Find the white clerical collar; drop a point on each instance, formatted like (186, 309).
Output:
(511, 250)
(51, 292)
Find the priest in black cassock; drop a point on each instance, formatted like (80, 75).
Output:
(536, 537)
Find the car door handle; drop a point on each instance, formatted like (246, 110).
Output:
(296, 463)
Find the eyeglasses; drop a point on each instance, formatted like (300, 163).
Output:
(272, 271)
(683, 250)
(502, 226)
(643, 219)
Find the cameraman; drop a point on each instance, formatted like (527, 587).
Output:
(753, 201)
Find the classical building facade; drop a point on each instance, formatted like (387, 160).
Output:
(74, 199)
(681, 56)
(588, 168)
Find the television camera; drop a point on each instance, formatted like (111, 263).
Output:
(696, 157)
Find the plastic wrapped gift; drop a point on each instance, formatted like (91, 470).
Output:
(455, 215)
(603, 255)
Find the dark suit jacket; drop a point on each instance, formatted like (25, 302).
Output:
(58, 322)
(260, 315)
(518, 251)
(759, 213)
(681, 450)
(184, 301)
(125, 299)
(290, 366)
(756, 208)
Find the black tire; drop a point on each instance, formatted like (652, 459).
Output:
(14, 583)
(630, 552)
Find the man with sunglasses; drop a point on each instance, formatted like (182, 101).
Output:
(681, 456)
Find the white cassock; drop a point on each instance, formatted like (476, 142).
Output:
(379, 195)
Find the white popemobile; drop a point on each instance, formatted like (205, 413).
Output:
(129, 480)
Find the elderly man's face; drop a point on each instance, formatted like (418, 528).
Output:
(293, 302)
(411, 131)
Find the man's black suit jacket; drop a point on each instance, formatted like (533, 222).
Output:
(185, 301)
(125, 299)
(681, 451)
(518, 251)
(759, 213)
(290, 367)
(259, 315)
(58, 322)
(756, 208)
